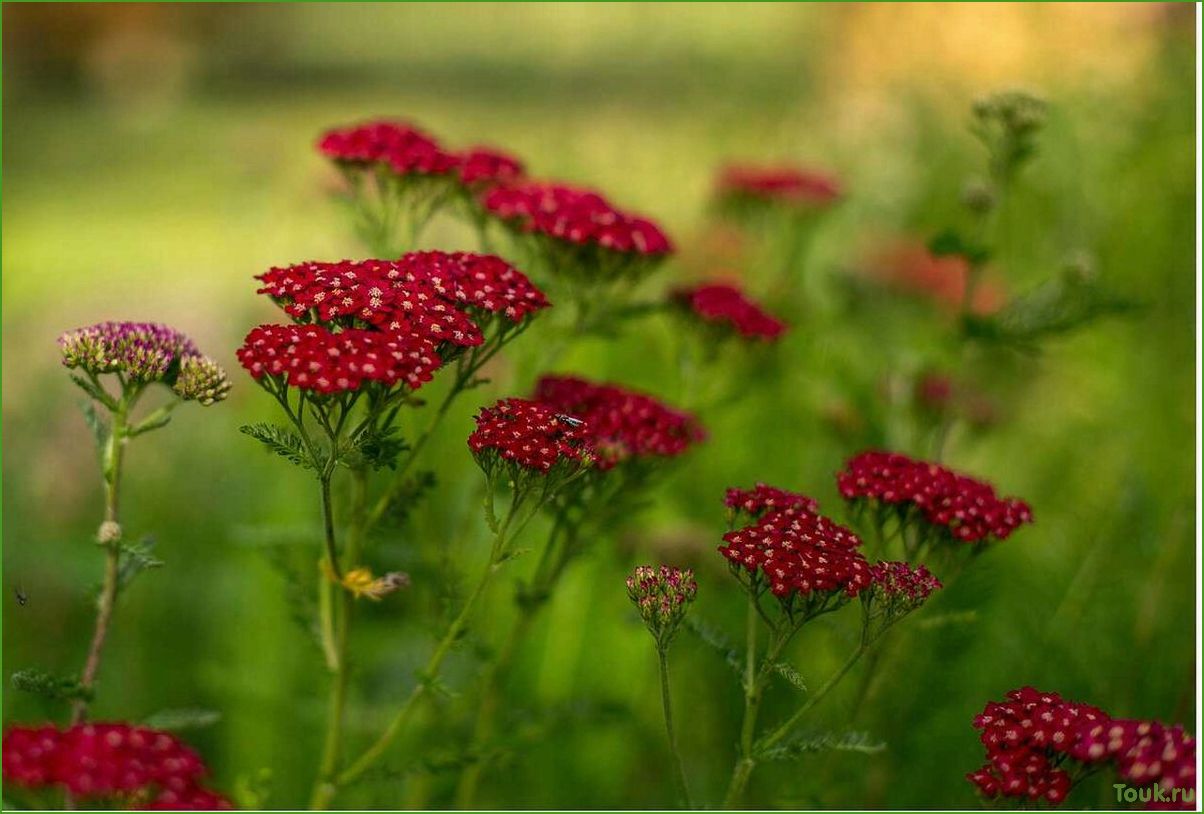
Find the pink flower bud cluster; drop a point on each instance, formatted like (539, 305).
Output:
(625, 424)
(727, 308)
(1036, 742)
(900, 587)
(530, 435)
(145, 352)
(662, 596)
(967, 508)
(110, 761)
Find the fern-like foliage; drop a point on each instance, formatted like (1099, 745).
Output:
(283, 442)
(48, 685)
(860, 742)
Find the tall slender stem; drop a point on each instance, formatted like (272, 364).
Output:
(782, 731)
(109, 536)
(332, 746)
(434, 664)
(683, 788)
(752, 702)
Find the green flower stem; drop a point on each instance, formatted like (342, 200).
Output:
(551, 565)
(332, 745)
(112, 457)
(679, 772)
(775, 737)
(430, 672)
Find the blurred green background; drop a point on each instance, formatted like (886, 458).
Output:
(158, 156)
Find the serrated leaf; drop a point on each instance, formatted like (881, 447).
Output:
(96, 423)
(175, 720)
(48, 685)
(376, 450)
(1057, 307)
(283, 442)
(792, 675)
(860, 742)
(714, 638)
(133, 559)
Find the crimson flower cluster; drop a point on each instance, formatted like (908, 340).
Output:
(107, 761)
(406, 151)
(967, 508)
(312, 357)
(145, 352)
(531, 436)
(763, 498)
(394, 145)
(801, 556)
(727, 308)
(662, 596)
(624, 424)
(783, 185)
(576, 217)
(383, 320)
(1037, 742)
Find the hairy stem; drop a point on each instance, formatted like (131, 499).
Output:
(110, 536)
(683, 788)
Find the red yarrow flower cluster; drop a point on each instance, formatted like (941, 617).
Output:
(579, 217)
(968, 508)
(1143, 752)
(624, 424)
(764, 498)
(1036, 740)
(485, 166)
(398, 146)
(312, 357)
(104, 761)
(727, 307)
(799, 553)
(422, 293)
(786, 185)
(531, 435)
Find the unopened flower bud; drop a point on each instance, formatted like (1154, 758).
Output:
(201, 380)
(662, 596)
(108, 533)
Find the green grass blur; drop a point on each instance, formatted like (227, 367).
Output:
(156, 158)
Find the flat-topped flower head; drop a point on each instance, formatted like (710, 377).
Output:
(781, 185)
(578, 231)
(527, 435)
(442, 296)
(314, 358)
(727, 309)
(481, 167)
(1144, 753)
(396, 146)
(143, 353)
(809, 562)
(967, 509)
(107, 761)
(662, 595)
(1028, 738)
(625, 424)
(763, 498)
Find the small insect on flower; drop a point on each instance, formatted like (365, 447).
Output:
(568, 419)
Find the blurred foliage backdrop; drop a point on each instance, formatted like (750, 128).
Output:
(157, 156)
